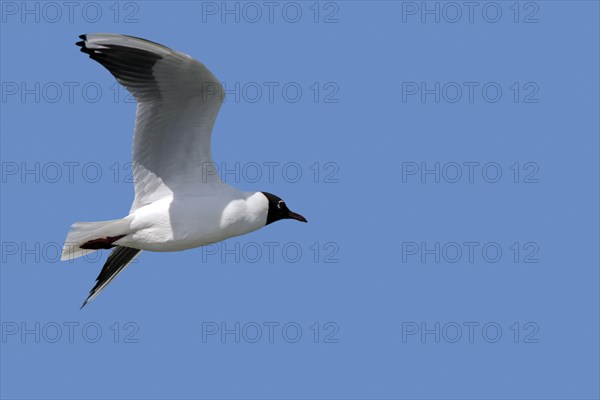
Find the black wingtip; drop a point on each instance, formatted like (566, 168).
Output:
(83, 47)
(81, 43)
(89, 298)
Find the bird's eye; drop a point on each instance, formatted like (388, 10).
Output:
(280, 204)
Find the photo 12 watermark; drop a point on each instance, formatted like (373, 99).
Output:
(270, 332)
(471, 172)
(435, 332)
(470, 12)
(469, 252)
(469, 92)
(44, 253)
(70, 12)
(270, 12)
(37, 332)
(272, 252)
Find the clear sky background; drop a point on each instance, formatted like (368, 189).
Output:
(445, 155)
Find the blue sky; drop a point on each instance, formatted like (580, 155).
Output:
(446, 157)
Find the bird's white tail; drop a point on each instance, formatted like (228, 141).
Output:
(93, 236)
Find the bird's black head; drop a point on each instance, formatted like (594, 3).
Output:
(278, 210)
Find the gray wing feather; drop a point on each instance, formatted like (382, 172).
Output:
(178, 102)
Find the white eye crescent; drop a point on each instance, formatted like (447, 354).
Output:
(279, 203)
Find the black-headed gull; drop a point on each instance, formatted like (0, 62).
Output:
(178, 205)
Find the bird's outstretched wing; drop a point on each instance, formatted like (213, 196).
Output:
(115, 263)
(178, 102)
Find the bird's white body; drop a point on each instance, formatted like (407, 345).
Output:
(180, 223)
